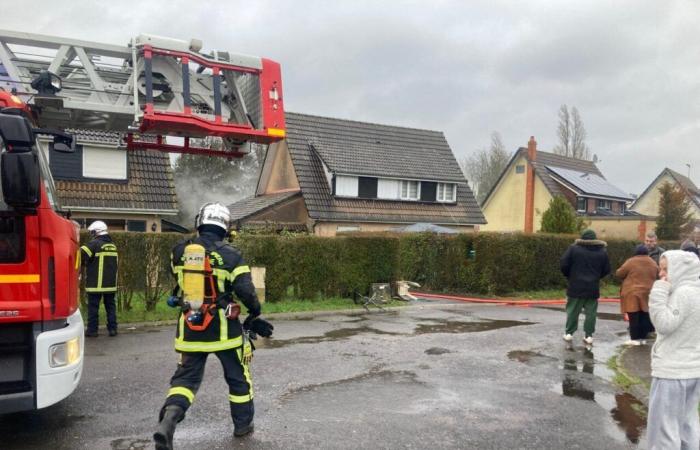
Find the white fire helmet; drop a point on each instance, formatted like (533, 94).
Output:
(213, 214)
(97, 228)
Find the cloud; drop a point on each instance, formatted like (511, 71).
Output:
(465, 68)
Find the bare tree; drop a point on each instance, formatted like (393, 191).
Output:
(579, 149)
(564, 132)
(572, 134)
(483, 167)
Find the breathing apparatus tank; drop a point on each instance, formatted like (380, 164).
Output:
(193, 281)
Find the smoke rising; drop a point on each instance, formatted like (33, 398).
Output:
(202, 179)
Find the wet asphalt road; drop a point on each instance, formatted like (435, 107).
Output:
(433, 376)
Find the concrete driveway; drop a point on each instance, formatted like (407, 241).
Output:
(427, 376)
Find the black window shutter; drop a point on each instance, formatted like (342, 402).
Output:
(428, 191)
(367, 187)
(66, 166)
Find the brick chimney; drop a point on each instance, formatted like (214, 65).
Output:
(532, 149)
(530, 186)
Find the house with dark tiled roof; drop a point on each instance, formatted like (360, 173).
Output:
(648, 202)
(334, 175)
(533, 178)
(128, 190)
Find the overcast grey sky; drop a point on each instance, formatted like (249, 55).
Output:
(632, 68)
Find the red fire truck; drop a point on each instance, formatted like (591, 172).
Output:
(41, 329)
(153, 88)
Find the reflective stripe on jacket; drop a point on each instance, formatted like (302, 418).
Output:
(101, 260)
(231, 276)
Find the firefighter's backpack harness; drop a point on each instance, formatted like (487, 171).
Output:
(199, 295)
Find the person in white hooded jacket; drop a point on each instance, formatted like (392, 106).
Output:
(674, 307)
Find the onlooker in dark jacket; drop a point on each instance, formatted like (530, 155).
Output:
(638, 275)
(654, 250)
(584, 263)
(689, 246)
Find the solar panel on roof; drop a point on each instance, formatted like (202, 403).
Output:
(589, 183)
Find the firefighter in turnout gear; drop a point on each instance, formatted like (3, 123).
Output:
(100, 258)
(209, 271)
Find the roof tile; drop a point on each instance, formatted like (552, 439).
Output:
(376, 150)
(150, 184)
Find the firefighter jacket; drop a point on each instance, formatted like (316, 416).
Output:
(231, 276)
(101, 260)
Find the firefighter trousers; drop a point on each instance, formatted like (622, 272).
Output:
(94, 307)
(188, 377)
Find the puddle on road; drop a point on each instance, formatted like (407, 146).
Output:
(332, 335)
(437, 351)
(130, 444)
(449, 326)
(425, 327)
(628, 417)
(528, 356)
(601, 315)
(579, 381)
(374, 375)
(625, 410)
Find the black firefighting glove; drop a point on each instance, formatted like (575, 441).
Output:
(258, 326)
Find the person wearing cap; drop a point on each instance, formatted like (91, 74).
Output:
(583, 264)
(638, 274)
(221, 333)
(100, 259)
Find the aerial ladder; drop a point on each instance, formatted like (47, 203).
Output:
(159, 92)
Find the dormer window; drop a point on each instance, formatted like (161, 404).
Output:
(104, 163)
(446, 192)
(346, 186)
(410, 190)
(370, 188)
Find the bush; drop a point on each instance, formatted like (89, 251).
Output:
(309, 267)
(559, 217)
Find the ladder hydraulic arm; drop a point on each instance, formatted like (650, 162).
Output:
(153, 88)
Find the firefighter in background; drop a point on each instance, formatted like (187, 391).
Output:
(100, 258)
(208, 271)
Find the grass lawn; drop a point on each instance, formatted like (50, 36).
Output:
(137, 313)
(606, 290)
(163, 312)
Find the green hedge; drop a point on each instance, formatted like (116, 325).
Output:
(309, 267)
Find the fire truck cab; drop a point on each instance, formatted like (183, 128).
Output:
(41, 328)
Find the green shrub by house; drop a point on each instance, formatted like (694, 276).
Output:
(309, 267)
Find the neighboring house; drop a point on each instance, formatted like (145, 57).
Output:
(333, 175)
(648, 202)
(128, 190)
(532, 178)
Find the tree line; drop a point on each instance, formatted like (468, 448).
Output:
(484, 166)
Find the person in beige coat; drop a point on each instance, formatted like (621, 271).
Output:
(638, 274)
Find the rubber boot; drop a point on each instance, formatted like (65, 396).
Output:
(163, 437)
(242, 431)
